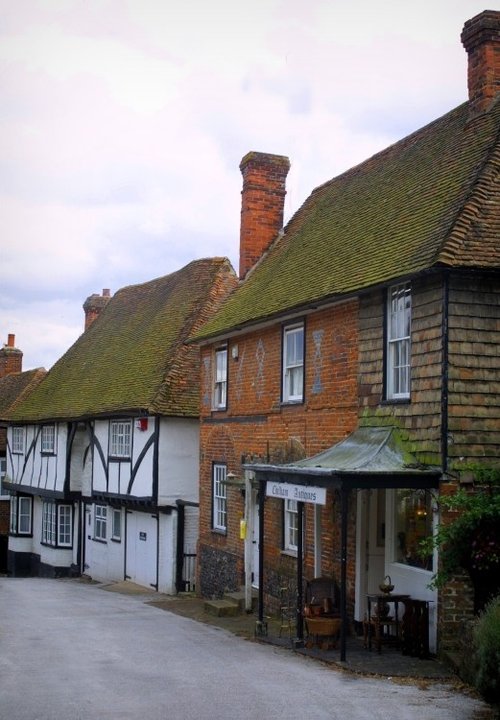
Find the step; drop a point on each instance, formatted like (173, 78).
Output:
(238, 597)
(222, 608)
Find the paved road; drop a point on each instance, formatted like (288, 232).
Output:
(72, 651)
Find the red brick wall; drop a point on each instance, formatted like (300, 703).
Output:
(256, 426)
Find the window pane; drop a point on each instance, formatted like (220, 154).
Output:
(413, 524)
(219, 498)
(398, 347)
(117, 522)
(65, 525)
(121, 439)
(48, 438)
(13, 515)
(220, 380)
(291, 525)
(18, 440)
(293, 364)
(24, 517)
(100, 522)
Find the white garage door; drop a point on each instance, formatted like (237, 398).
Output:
(142, 549)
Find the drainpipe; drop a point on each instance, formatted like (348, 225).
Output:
(248, 545)
(261, 496)
(299, 642)
(444, 372)
(343, 571)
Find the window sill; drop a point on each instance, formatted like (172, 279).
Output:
(396, 401)
(216, 531)
(98, 540)
(290, 553)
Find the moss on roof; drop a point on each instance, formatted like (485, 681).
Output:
(15, 387)
(407, 209)
(133, 358)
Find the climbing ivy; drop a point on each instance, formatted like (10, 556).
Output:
(468, 535)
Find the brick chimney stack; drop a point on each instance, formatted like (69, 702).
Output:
(262, 204)
(11, 359)
(481, 39)
(94, 305)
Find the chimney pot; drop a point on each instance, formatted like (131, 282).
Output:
(481, 39)
(11, 340)
(94, 305)
(262, 204)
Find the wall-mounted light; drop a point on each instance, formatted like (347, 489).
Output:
(234, 352)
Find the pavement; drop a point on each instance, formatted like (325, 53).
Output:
(390, 663)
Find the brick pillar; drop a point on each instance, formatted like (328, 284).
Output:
(11, 359)
(94, 305)
(481, 39)
(262, 204)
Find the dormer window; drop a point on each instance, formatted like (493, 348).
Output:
(398, 342)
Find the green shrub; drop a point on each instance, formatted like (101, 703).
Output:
(487, 641)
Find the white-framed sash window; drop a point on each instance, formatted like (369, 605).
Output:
(220, 379)
(57, 524)
(21, 515)
(293, 363)
(291, 526)
(48, 440)
(398, 359)
(219, 497)
(64, 525)
(3, 471)
(18, 440)
(121, 438)
(116, 525)
(100, 522)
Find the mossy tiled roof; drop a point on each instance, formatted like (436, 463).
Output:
(133, 358)
(430, 199)
(15, 387)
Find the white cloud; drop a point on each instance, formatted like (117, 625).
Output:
(123, 123)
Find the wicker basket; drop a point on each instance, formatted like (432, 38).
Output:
(328, 627)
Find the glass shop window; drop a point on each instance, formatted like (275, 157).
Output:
(413, 523)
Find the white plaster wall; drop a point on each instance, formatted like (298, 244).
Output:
(81, 462)
(41, 471)
(120, 472)
(167, 553)
(178, 460)
(143, 481)
(99, 470)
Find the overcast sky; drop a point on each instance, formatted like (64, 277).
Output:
(123, 123)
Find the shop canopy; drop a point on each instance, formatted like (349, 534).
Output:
(369, 458)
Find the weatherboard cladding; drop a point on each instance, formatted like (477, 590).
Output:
(430, 199)
(133, 358)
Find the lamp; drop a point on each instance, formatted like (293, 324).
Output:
(233, 480)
